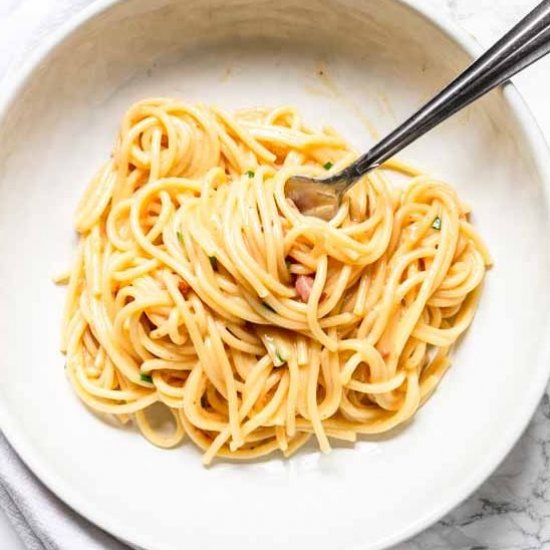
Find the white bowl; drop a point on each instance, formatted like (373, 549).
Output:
(357, 65)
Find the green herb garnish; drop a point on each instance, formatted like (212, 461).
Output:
(436, 224)
(180, 236)
(328, 165)
(146, 378)
(267, 306)
(280, 358)
(250, 173)
(288, 264)
(213, 262)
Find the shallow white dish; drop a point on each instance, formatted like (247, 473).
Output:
(58, 120)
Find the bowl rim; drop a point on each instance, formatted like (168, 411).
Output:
(16, 79)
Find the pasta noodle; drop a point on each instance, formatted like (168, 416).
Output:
(199, 286)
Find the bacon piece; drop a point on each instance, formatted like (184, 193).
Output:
(184, 287)
(384, 350)
(303, 285)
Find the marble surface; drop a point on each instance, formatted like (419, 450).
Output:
(512, 509)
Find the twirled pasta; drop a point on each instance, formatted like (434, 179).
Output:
(198, 285)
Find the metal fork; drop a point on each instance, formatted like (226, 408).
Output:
(524, 44)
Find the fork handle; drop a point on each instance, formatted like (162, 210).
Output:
(524, 44)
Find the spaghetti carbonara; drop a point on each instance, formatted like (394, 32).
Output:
(197, 285)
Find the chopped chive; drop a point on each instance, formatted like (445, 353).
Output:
(280, 358)
(180, 237)
(436, 224)
(267, 306)
(328, 165)
(213, 262)
(146, 378)
(250, 173)
(288, 264)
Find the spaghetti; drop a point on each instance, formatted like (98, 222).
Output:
(199, 286)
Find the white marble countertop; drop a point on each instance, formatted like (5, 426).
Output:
(512, 509)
